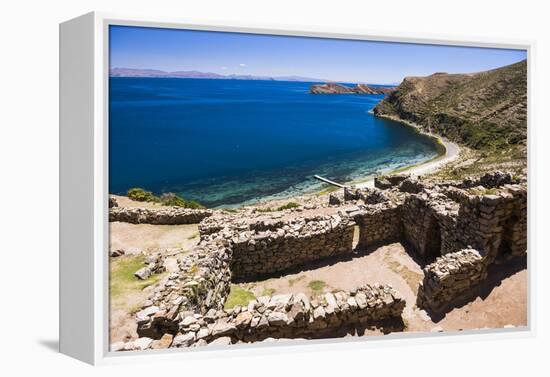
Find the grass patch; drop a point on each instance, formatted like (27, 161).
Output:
(288, 205)
(327, 190)
(122, 281)
(291, 282)
(317, 285)
(482, 191)
(238, 296)
(267, 209)
(268, 291)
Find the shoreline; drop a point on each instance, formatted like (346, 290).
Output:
(451, 153)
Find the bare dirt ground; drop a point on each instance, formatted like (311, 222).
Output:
(497, 304)
(135, 238)
(171, 240)
(501, 302)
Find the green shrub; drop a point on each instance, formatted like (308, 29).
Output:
(289, 205)
(171, 199)
(193, 204)
(268, 209)
(140, 195)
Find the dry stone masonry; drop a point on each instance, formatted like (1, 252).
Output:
(449, 277)
(460, 228)
(158, 216)
(292, 316)
(294, 243)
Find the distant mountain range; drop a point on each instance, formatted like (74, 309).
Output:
(133, 72)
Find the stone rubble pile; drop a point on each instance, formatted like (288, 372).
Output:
(202, 282)
(490, 180)
(112, 202)
(154, 265)
(158, 216)
(366, 195)
(387, 182)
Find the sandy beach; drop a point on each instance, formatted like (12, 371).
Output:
(452, 152)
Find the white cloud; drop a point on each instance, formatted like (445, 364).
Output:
(224, 68)
(242, 65)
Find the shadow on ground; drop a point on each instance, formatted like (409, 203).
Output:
(52, 345)
(496, 274)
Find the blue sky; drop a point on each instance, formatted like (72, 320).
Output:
(265, 55)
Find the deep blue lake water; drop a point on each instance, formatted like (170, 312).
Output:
(227, 142)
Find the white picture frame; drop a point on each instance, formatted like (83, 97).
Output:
(84, 192)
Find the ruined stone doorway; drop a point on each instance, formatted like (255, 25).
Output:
(505, 246)
(433, 241)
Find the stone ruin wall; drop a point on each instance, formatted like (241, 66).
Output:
(494, 224)
(292, 316)
(258, 253)
(464, 226)
(450, 277)
(378, 224)
(202, 282)
(239, 252)
(158, 216)
(473, 229)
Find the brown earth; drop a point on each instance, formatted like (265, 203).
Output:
(136, 238)
(171, 240)
(498, 303)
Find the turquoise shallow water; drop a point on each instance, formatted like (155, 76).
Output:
(229, 142)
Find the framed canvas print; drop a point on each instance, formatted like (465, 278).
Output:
(225, 187)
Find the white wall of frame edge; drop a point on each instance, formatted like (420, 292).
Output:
(83, 174)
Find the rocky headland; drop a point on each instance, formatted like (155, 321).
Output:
(486, 112)
(334, 88)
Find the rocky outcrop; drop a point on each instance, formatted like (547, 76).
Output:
(485, 109)
(449, 277)
(158, 216)
(334, 88)
(365, 89)
(330, 88)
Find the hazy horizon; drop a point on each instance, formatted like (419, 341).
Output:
(341, 60)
